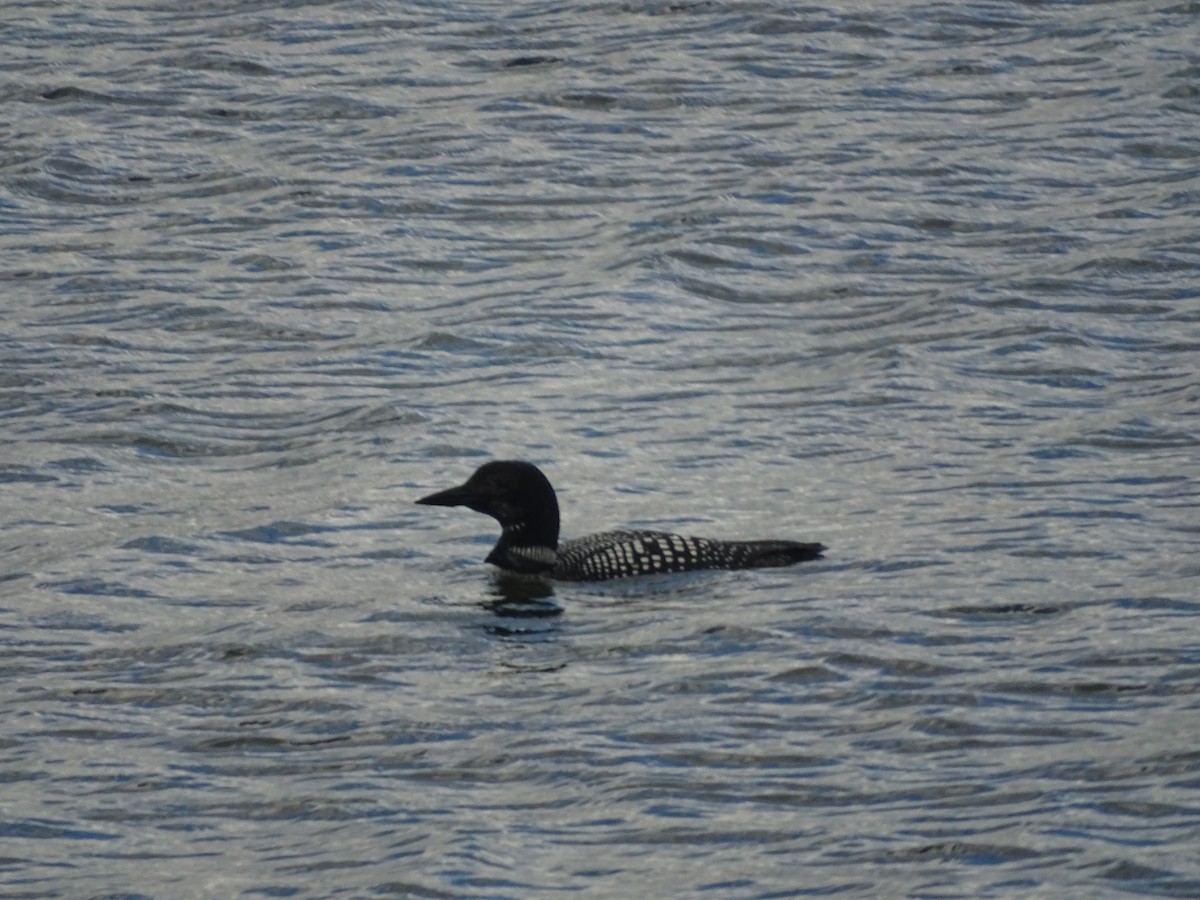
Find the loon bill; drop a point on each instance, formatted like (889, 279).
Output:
(520, 498)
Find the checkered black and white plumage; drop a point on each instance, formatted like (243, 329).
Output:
(521, 499)
(620, 554)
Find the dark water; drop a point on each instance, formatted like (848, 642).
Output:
(919, 281)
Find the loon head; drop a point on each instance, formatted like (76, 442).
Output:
(518, 496)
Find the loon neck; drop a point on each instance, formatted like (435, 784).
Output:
(530, 520)
(526, 550)
(542, 534)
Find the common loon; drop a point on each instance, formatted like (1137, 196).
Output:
(520, 498)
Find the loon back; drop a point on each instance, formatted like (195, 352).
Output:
(522, 500)
(617, 554)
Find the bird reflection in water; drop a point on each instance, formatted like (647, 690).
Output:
(523, 601)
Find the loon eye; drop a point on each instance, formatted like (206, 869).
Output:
(501, 485)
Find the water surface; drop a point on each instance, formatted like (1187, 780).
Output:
(918, 281)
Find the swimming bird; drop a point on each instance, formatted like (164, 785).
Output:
(518, 496)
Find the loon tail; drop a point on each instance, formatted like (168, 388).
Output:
(767, 554)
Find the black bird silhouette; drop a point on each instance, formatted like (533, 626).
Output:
(520, 498)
